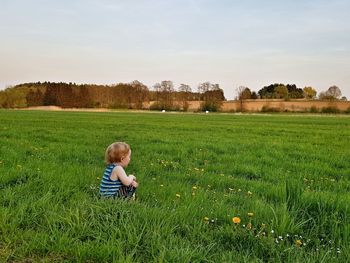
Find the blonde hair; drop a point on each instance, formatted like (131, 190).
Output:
(116, 152)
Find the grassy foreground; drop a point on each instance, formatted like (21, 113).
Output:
(196, 172)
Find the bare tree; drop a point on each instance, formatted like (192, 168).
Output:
(334, 92)
(184, 95)
(211, 95)
(243, 93)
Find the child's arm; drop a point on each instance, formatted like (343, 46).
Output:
(119, 173)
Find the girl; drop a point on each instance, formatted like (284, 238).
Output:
(115, 182)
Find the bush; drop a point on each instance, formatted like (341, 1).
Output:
(210, 106)
(347, 111)
(270, 109)
(330, 109)
(163, 106)
(314, 109)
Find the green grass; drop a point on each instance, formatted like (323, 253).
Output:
(292, 172)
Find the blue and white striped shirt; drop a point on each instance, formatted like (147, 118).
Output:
(108, 186)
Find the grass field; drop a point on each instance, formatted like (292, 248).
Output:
(196, 172)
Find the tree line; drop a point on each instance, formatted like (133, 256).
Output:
(289, 91)
(136, 95)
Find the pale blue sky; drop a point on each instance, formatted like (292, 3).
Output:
(251, 43)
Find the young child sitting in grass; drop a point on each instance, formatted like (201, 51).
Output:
(115, 182)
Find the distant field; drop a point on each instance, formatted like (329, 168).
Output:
(196, 172)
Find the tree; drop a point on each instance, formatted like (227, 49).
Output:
(184, 95)
(281, 92)
(309, 92)
(35, 98)
(164, 95)
(184, 88)
(139, 93)
(294, 92)
(243, 93)
(211, 95)
(254, 95)
(269, 92)
(334, 92)
(157, 89)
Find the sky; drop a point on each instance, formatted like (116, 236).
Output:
(252, 43)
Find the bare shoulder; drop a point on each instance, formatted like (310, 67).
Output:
(117, 171)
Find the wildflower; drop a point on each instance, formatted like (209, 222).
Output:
(249, 226)
(193, 193)
(239, 190)
(178, 195)
(249, 193)
(236, 220)
(98, 178)
(298, 242)
(272, 231)
(250, 214)
(230, 189)
(206, 220)
(194, 187)
(161, 185)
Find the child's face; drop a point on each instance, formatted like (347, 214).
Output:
(126, 160)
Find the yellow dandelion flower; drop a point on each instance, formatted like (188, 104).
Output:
(298, 242)
(250, 214)
(178, 195)
(98, 178)
(206, 219)
(194, 187)
(236, 220)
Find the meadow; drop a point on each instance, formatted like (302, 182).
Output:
(213, 188)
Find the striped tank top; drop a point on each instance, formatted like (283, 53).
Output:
(108, 186)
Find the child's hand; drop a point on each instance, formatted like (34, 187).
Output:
(133, 177)
(134, 184)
